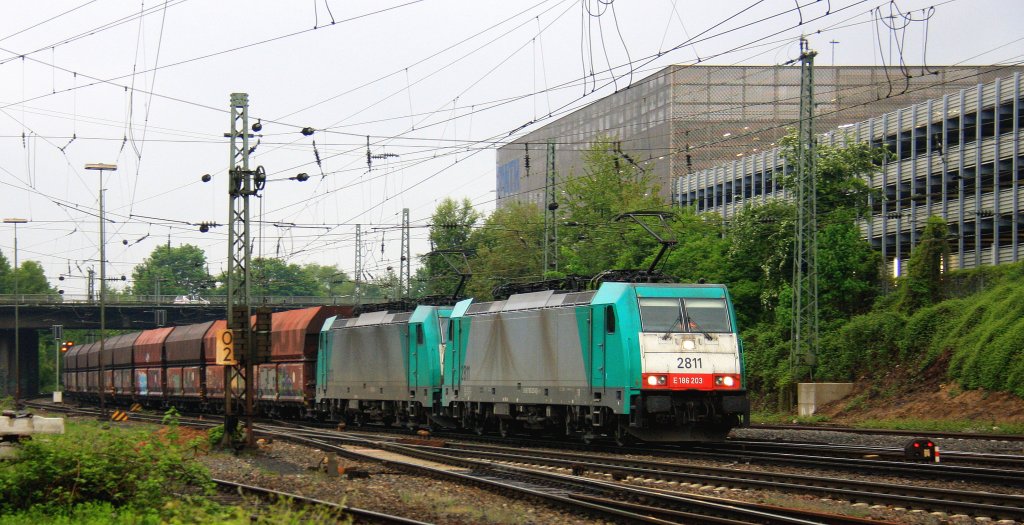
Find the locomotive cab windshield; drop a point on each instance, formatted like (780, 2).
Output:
(672, 314)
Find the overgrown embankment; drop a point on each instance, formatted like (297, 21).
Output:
(959, 358)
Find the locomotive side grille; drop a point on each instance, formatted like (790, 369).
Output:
(578, 298)
(479, 308)
(401, 318)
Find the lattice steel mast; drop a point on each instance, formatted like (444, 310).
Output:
(239, 309)
(550, 214)
(359, 264)
(805, 254)
(404, 266)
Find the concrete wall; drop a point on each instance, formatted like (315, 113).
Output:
(28, 362)
(810, 396)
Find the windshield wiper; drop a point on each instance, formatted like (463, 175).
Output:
(690, 321)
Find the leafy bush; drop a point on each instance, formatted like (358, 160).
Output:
(189, 510)
(928, 331)
(766, 353)
(988, 350)
(860, 345)
(92, 463)
(983, 333)
(215, 434)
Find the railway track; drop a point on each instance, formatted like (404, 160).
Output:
(949, 501)
(857, 451)
(602, 499)
(804, 455)
(890, 432)
(506, 469)
(359, 515)
(824, 459)
(902, 495)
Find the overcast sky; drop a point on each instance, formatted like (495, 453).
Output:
(436, 84)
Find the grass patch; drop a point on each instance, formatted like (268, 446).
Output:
(786, 418)
(470, 512)
(942, 425)
(189, 510)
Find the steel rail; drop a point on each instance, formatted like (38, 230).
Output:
(948, 456)
(894, 432)
(365, 516)
(564, 489)
(965, 502)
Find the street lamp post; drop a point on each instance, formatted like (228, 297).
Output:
(103, 286)
(17, 320)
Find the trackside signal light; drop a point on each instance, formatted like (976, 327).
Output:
(66, 345)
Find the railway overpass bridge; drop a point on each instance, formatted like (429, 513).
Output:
(38, 312)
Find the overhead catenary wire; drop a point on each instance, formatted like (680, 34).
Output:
(454, 142)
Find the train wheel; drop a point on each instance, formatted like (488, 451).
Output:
(479, 426)
(622, 436)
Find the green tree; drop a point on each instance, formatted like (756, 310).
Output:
(5, 274)
(848, 272)
(383, 287)
(842, 188)
(332, 280)
(274, 277)
(451, 227)
(592, 240)
(508, 249)
(30, 276)
(760, 259)
(922, 284)
(760, 264)
(701, 250)
(176, 271)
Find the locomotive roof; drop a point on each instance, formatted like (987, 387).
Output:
(531, 301)
(373, 318)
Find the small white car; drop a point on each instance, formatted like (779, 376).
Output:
(190, 299)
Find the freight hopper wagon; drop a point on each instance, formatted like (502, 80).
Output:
(286, 385)
(659, 362)
(382, 366)
(177, 366)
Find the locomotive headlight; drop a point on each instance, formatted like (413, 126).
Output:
(657, 380)
(726, 381)
(689, 344)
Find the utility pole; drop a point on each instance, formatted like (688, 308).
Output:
(404, 275)
(17, 324)
(550, 213)
(805, 273)
(103, 289)
(358, 264)
(243, 183)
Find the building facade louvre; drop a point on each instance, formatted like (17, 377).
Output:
(957, 157)
(708, 135)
